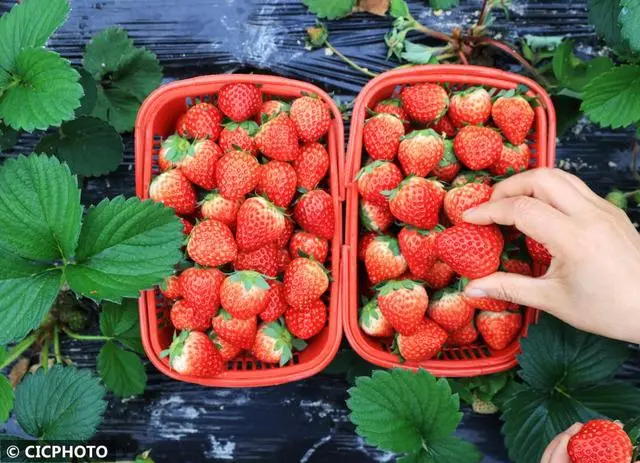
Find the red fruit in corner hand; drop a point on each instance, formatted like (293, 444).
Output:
(239, 101)
(383, 259)
(306, 322)
(424, 344)
(171, 288)
(259, 223)
(274, 344)
(263, 260)
(193, 354)
(237, 174)
(439, 276)
(376, 178)
(172, 189)
(279, 182)
(489, 304)
(419, 249)
(381, 136)
(211, 244)
(305, 280)
(472, 251)
(314, 212)
(277, 139)
(444, 126)
(227, 350)
(514, 117)
(425, 102)
(449, 309)
(513, 159)
(244, 294)
(466, 335)
(311, 245)
(363, 244)
(217, 207)
(449, 166)
(372, 321)
(375, 217)
(499, 329)
(239, 136)
(468, 196)
(417, 201)
(311, 117)
(311, 165)
(468, 176)
(186, 226)
(201, 288)
(197, 161)
(392, 106)
(202, 120)
(470, 107)
(186, 316)
(403, 303)
(241, 333)
(285, 235)
(270, 109)
(600, 441)
(477, 147)
(420, 152)
(276, 302)
(538, 252)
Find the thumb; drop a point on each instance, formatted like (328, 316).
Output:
(519, 289)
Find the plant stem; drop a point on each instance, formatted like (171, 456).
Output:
(19, 349)
(84, 337)
(56, 343)
(435, 34)
(349, 61)
(44, 354)
(483, 13)
(463, 57)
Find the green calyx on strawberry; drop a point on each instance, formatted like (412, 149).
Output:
(177, 148)
(249, 279)
(248, 126)
(194, 353)
(396, 285)
(316, 36)
(421, 133)
(284, 341)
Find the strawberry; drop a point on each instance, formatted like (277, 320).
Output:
(201, 288)
(449, 166)
(417, 201)
(311, 165)
(363, 244)
(420, 152)
(244, 294)
(514, 117)
(186, 316)
(483, 407)
(278, 182)
(276, 302)
(513, 159)
(376, 178)
(460, 199)
(270, 109)
(227, 350)
(314, 212)
(201, 120)
(274, 343)
(197, 161)
(193, 354)
(403, 304)
(375, 217)
(239, 136)
(259, 223)
(285, 234)
(172, 189)
(464, 336)
(538, 252)
(241, 333)
(392, 106)
(600, 441)
(470, 107)
(468, 176)
(439, 276)
(306, 322)
(171, 288)
(237, 174)
(425, 343)
(211, 244)
(383, 259)
(239, 101)
(263, 260)
(284, 259)
(311, 117)
(419, 249)
(381, 136)
(372, 321)
(512, 265)
(278, 139)
(186, 226)
(477, 147)
(163, 163)
(217, 207)
(305, 244)
(425, 102)
(487, 303)
(444, 126)
(499, 329)
(305, 280)
(449, 309)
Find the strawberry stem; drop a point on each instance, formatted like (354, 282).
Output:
(349, 61)
(19, 349)
(44, 354)
(84, 337)
(56, 343)
(435, 34)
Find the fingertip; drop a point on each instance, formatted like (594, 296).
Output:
(574, 429)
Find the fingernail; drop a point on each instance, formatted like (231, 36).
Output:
(474, 292)
(468, 213)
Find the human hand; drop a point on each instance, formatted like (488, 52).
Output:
(592, 281)
(556, 451)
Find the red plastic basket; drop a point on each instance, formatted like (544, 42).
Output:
(473, 360)
(156, 120)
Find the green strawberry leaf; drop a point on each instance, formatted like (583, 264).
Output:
(89, 145)
(451, 450)
(399, 9)
(443, 4)
(568, 112)
(6, 399)
(604, 15)
(8, 137)
(630, 21)
(125, 246)
(330, 9)
(574, 73)
(122, 371)
(121, 322)
(88, 101)
(62, 403)
(420, 54)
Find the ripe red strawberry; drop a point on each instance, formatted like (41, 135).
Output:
(363, 244)
(278, 181)
(477, 147)
(186, 226)
(403, 303)
(383, 259)
(171, 288)
(274, 344)
(375, 217)
(196, 161)
(311, 165)
(372, 321)
(284, 259)
(439, 276)
(244, 294)
(306, 322)
(449, 166)
(468, 176)
(424, 344)
(227, 350)
(417, 201)
(538, 252)
(305, 280)
(419, 249)
(310, 245)
(487, 303)
(472, 251)
(449, 309)
(311, 117)
(514, 117)
(239, 101)
(425, 102)
(276, 302)
(460, 199)
(381, 136)
(278, 139)
(470, 107)
(466, 335)
(499, 329)
(600, 441)
(201, 120)
(444, 126)
(513, 159)
(376, 178)
(172, 189)
(314, 212)
(285, 235)
(241, 333)
(259, 223)
(392, 106)
(271, 108)
(193, 354)
(263, 260)
(211, 244)
(186, 316)
(237, 174)
(239, 135)
(201, 288)
(513, 265)
(420, 152)
(217, 207)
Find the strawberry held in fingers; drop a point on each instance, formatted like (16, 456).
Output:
(314, 212)
(239, 101)
(376, 178)
(237, 174)
(420, 152)
(419, 249)
(311, 165)
(305, 280)
(514, 117)
(172, 189)
(278, 139)
(201, 288)
(241, 333)
(186, 316)
(381, 136)
(403, 304)
(239, 135)
(466, 335)
(244, 294)
(372, 321)
(274, 344)
(417, 201)
(193, 354)
(449, 309)
(202, 120)
(539, 254)
(513, 159)
(449, 166)
(197, 161)
(600, 441)
(217, 207)
(425, 343)
(311, 117)
(460, 199)
(259, 223)
(263, 260)
(375, 217)
(276, 302)
(470, 107)
(278, 182)
(468, 176)
(425, 102)
(211, 244)
(306, 322)
(305, 244)
(477, 147)
(383, 259)
(499, 329)
(472, 251)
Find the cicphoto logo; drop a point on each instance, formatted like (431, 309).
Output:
(43, 452)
